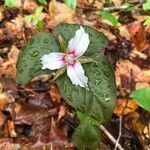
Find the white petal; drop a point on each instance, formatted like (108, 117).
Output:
(76, 74)
(79, 44)
(53, 61)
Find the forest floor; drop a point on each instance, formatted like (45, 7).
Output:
(35, 116)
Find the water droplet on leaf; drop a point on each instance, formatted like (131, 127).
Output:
(107, 99)
(34, 53)
(69, 98)
(46, 41)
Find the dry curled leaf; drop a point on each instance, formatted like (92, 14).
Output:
(138, 35)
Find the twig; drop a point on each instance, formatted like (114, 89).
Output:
(111, 137)
(113, 8)
(120, 132)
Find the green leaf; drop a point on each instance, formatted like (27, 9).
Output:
(97, 39)
(71, 3)
(108, 16)
(35, 19)
(84, 117)
(40, 24)
(100, 96)
(63, 44)
(42, 2)
(147, 21)
(85, 59)
(86, 136)
(142, 97)
(146, 6)
(38, 11)
(29, 63)
(28, 18)
(10, 3)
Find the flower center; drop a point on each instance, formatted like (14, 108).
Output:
(70, 59)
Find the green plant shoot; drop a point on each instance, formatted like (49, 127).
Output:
(35, 19)
(10, 3)
(109, 17)
(43, 2)
(71, 3)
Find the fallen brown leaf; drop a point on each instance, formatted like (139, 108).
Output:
(8, 68)
(138, 35)
(11, 128)
(30, 114)
(59, 12)
(8, 144)
(2, 120)
(55, 94)
(127, 75)
(30, 6)
(5, 99)
(133, 122)
(124, 107)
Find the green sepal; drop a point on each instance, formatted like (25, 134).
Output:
(85, 59)
(59, 72)
(63, 44)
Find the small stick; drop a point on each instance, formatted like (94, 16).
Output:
(120, 132)
(111, 137)
(114, 8)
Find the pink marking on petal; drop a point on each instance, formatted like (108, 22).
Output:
(62, 58)
(72, 63)
(73, 52)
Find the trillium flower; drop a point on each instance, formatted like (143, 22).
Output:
(77, 47)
